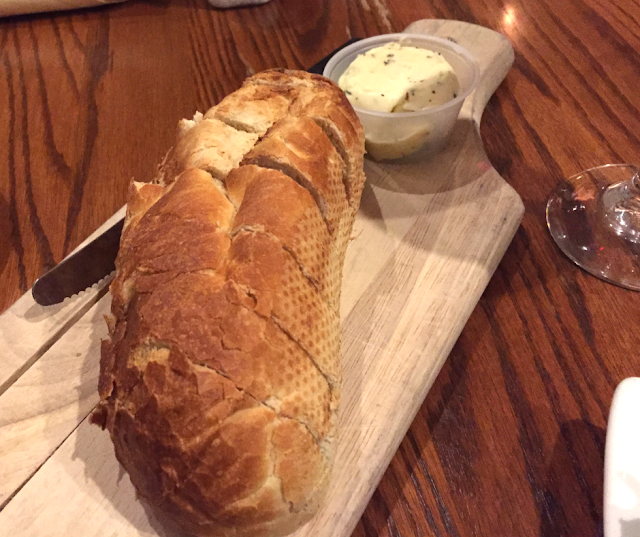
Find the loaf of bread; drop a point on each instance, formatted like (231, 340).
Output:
(221, 378)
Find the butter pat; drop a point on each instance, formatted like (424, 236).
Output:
(399, 78)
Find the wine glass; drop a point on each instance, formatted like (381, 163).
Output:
(594, 217)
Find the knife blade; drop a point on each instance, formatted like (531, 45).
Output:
(96, 260)
(81, 270)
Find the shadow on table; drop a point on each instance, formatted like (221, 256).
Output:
(630, 528)
(460, 161)
(571, 499)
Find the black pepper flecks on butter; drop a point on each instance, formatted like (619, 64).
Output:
(399, 78)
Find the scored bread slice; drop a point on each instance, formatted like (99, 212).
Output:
(297, 147)
(186, 229)
(253, 108)
(317, 98)
(342, 129)
(321, 100)
(259, 264)
(297, 223)
(210, 145)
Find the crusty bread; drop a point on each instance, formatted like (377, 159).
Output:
(220, 381)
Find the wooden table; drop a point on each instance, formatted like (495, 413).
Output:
(510, 440)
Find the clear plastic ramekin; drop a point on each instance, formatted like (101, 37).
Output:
(392, 135)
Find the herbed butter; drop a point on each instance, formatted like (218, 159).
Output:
(399, 78)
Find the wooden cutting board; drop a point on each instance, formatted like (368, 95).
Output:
(428, 237)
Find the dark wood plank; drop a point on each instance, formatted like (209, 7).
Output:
(510, 440)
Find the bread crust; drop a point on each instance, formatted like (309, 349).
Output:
(220, 380)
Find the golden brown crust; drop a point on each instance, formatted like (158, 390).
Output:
(297, 222)
(253, 108)
(340, 124)
(299, 148)
(186, 230)
(220, 381)
(209, 145)
(259, 264)
(287, 78)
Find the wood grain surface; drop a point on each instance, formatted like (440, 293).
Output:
(510, 439)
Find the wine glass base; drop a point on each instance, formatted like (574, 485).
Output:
(583, 227)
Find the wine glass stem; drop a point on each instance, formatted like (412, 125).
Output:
(632, 200)
(621, 203)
